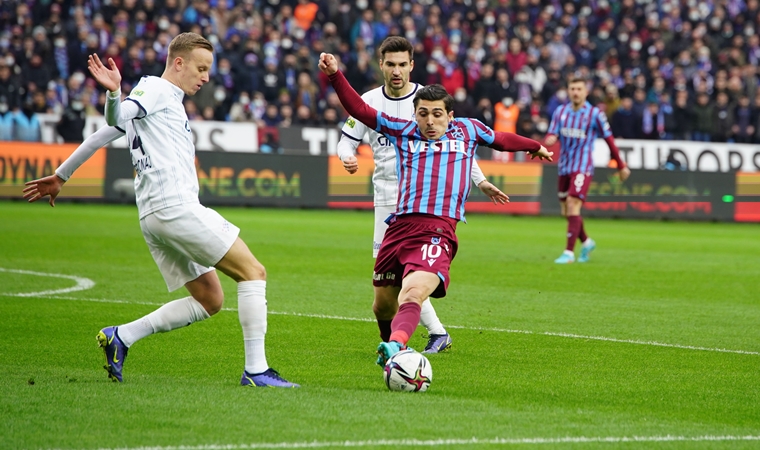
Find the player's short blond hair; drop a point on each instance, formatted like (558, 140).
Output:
(185, 43)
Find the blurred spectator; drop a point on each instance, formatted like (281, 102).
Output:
(625, 123)
(26, 124)
(71, 125)
(650, 51)
(743, 129)
(723, 119)
(463, 107)
(6, 121)
(652, 122)
(703, 113)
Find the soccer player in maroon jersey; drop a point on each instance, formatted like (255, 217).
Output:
(434, 156)
(577, 125)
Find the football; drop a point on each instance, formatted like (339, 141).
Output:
(408, 371)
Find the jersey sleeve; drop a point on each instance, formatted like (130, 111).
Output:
(554, 124)
(353, 129)
(483, 133)
(603, 125)
(146, 95)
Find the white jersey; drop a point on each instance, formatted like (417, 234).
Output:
(384, 178)
(161, 145)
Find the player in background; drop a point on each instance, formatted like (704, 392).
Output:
(434, 156)
(395, 98)
(577, 125)
(185, 239)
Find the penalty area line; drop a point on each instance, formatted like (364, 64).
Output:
(449, 442)
(455, 327)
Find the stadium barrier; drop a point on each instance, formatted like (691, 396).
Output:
(255, 179)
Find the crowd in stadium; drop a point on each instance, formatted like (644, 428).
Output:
(669, 69)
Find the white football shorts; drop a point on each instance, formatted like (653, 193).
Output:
(381, 213)
(186, 241)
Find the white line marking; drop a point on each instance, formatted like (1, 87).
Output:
(82, 283)
(437, 442)
(460, 327)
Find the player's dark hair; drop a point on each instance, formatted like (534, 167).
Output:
(396, 44)
(433, 93)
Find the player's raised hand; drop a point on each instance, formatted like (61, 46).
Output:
(542, 154)
(328, 64)
(108, 78)
(351, 164)
(624, 173)
(36, 189)
(496, 196)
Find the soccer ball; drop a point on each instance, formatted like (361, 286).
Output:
(408, 371)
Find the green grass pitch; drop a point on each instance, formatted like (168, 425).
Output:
(655, 343)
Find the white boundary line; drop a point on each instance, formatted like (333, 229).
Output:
(437, 442)
(82, 283)
(460, 327)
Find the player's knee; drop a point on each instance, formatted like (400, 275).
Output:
(413, 295)
(211, 301)
(258, 271)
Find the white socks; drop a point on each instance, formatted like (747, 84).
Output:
(175, 314)
(429, 319)
(252, 310)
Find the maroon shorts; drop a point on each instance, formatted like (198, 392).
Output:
(574, 185)
(416, 242)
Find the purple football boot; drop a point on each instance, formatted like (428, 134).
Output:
(115, 351)
(268, 378)
(438, 343)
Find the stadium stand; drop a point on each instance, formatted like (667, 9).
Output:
(673, 69)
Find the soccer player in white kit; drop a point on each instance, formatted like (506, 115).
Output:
(395, 98)
(186, 239)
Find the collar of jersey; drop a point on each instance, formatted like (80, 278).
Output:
(398, 99)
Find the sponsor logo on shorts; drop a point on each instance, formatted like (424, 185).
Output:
(375, 245)
(383, 276)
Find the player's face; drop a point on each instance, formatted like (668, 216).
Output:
(195, 70)
(578, 92)
(396, 67)
(432, 118)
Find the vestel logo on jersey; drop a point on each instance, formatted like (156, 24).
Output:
(573, 133)
(438, 146)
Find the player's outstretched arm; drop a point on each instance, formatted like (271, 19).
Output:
(36, 189)
(623, 171)
(349, 98)
(510, 142)
(111, 80)
(494, 193)
(52, 185)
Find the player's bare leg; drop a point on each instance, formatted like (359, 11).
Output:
(385, 308)
(240, 265)
(415, 289)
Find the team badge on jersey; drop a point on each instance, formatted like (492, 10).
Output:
(458, 134)
(435, 240)
(351, 122)
(138, 93)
